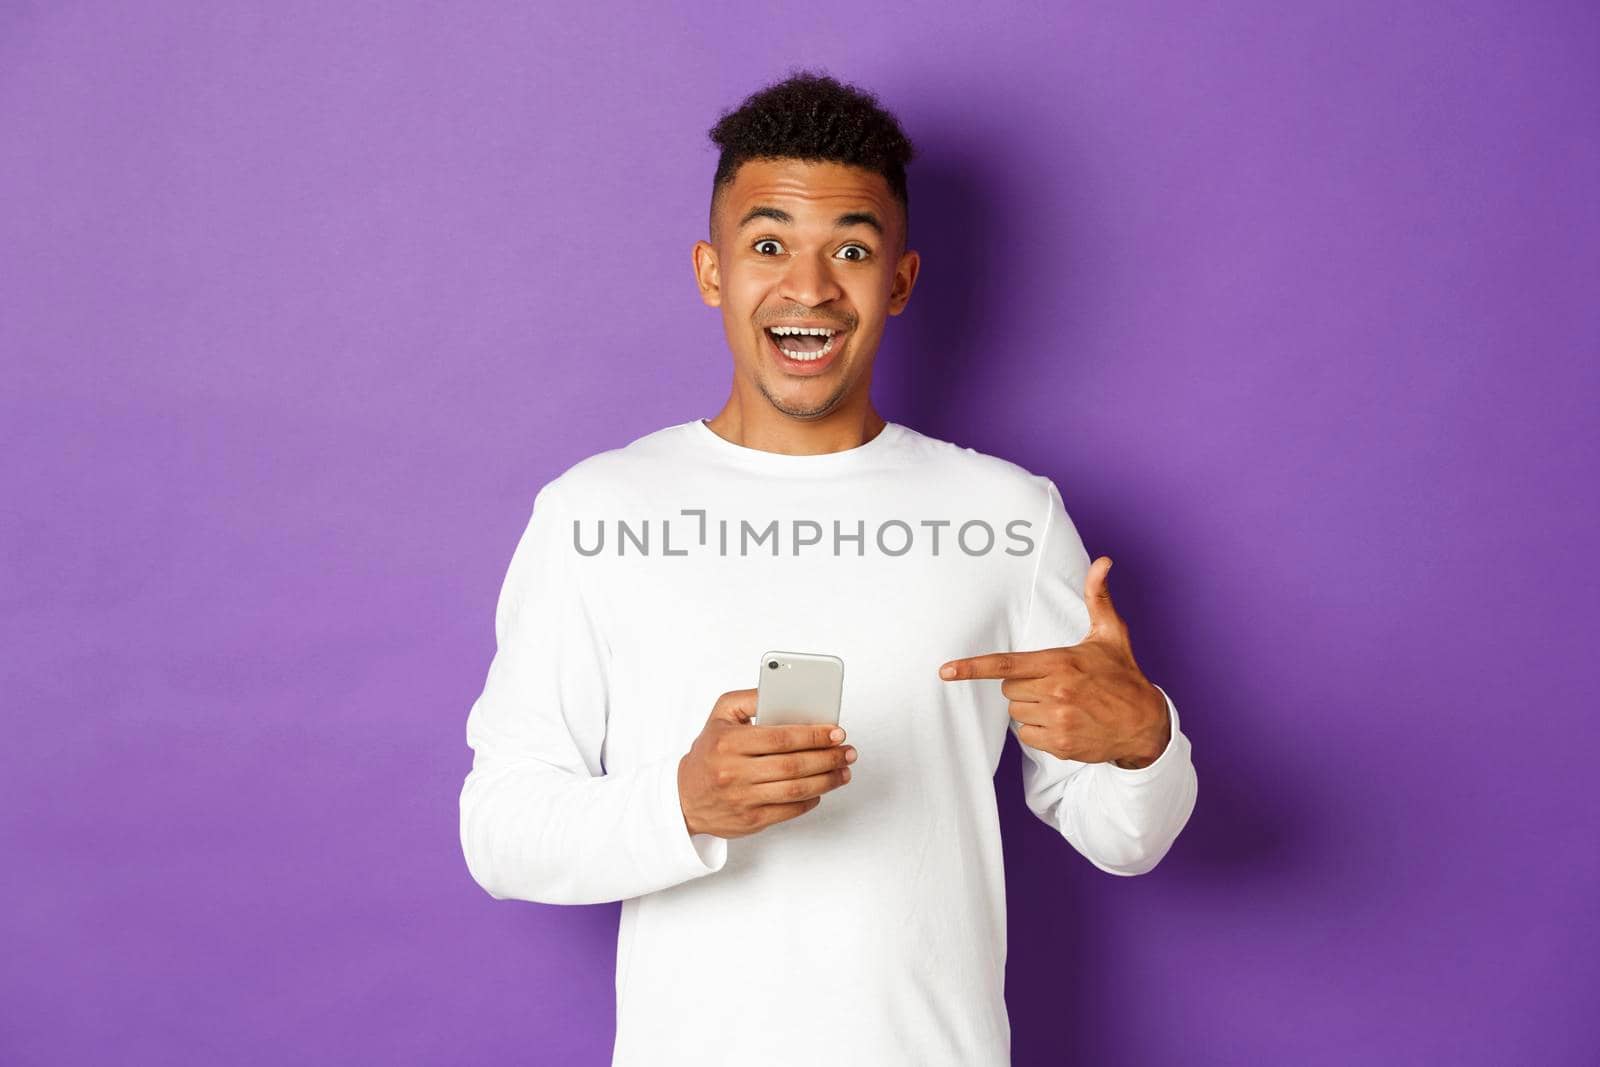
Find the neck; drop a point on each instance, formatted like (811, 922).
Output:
(766, 428)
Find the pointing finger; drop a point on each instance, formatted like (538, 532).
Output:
(995, 665)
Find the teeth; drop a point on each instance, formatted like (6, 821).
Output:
(807, 357)
(815, 331)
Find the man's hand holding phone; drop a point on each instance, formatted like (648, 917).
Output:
(739, 778)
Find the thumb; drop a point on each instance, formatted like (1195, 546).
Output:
(736, 706)
(1103, 617)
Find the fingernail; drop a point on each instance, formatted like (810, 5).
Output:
(947, 672)
(849, 755)
(836, 735)
(846, 774)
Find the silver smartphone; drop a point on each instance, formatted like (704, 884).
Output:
(799, 688)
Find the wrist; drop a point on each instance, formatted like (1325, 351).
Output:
(1161, 737)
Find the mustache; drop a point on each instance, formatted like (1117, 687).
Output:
(828, 320)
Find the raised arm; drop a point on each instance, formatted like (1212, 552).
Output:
(1104, 761)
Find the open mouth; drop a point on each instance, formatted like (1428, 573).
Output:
(804, 344)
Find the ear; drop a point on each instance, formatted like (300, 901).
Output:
(706, 274)
(905, 277)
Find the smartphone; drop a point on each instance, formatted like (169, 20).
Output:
(799, 688)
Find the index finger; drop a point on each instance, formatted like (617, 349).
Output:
(996, 665)
(793, 738)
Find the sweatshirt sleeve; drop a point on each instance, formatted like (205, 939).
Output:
(541, 820)
(1123, 821)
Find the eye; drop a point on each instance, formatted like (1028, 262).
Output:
(766, 241)
(865, 252)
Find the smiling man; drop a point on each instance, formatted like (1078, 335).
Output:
(804, 327)
(810, 894)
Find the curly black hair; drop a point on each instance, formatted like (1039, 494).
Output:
(812, 116)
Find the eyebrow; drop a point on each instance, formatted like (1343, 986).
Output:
(849, 218)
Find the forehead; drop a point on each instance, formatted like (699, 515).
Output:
(803, 186)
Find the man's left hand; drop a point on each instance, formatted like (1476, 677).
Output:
(1089, 701)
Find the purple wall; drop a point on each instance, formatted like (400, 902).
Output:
(298, 309)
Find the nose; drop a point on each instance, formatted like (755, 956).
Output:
(810, 281)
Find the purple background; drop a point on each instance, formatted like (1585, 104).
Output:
(301, 304)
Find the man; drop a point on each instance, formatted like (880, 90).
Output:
(790, 896)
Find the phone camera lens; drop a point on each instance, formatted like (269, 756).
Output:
(772, 664)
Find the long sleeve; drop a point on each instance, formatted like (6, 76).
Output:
(1123, 821)
(541, 820)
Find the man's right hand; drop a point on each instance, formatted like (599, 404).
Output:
(739, 778)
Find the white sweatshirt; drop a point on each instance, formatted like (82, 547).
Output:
(870, 930)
